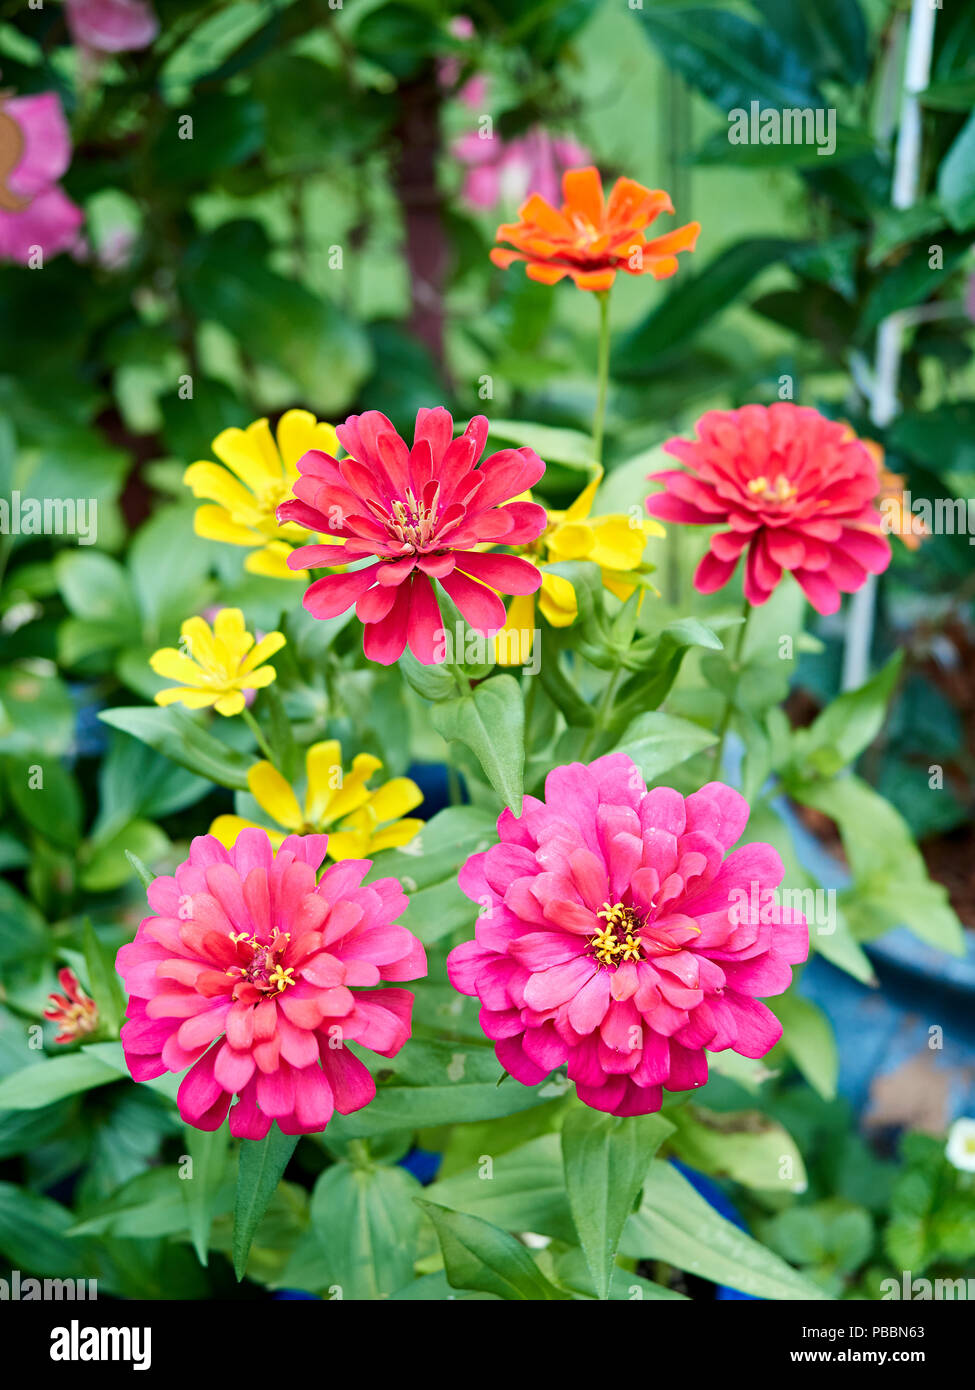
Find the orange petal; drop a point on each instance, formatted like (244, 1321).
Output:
(680, 239)
(545, 273)
(583, 192)
(594, 279)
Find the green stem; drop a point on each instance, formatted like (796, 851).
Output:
(730, 702)
(602, 376)
(605, 705)
(258, 733)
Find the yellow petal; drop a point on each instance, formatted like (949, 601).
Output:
(323, 772)
(348, 845)
(269, 644)
(257, 680)
(557, 600)
(513, 644)
(262, 441)
(571, 541)
(198, 641)
(227, 828)
(273, 794)
(582, 506)
(353, 792)
(216, 524)
(242, 452)
(175, 666)
(271, 561)
(616, 544)
(181, 695)
(298, 432)
(218, 485)
(394, 799)
(230, 704)
(401, 832)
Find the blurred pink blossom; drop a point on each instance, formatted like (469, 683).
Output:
(35, 150)
(506, 171)
(474, 91)
(111, 26)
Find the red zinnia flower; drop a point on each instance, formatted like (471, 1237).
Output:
(591, 238)
(423, 513)
(618, 935)
(255, 977)
(796, 491)
(73, 1011)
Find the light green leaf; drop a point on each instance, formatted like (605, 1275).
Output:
(606, 1159)
(675, 1224)
(478, 1255)
(808, 1038)
(366, 1225)
(491, 722)
(657, 742)
(174, 733)
(37, 1086)
(261, 1167)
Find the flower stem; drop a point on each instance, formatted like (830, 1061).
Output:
(256, 730)
(730, 702)
(602, 376)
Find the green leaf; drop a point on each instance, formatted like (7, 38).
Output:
(808, 1038)
(956, 179)
(103, 980)
(731, 60)
(828, 36)
(606, 1159)
(261, 1167)
(96, 587)
(46, 797)
(491, 722)
(477, 1255)
(110, 863)
(848, 725)
(694, 300)
(625, 1286)
(675, 1224)
(208, 1151)
(746, 1146)
(143, 873)
(432, 682)
(34, 1235)
(553, 445)
(523, 1190)
(36, 1086)
(174, 733)
(657, 742)
(366, 1225)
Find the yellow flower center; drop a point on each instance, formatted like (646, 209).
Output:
(260, 965)
(412, 523)
(781, 491)
(619, 940)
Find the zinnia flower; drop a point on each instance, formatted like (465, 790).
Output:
(257, 476)
(424, 514)
(617, 935)
(35, 150)
(368, 819)
(501, 170)
(796, 492)
(615, 542)
(591, 239)
(73, 1011)
(256, 977)
(218, 665)
(111, 26)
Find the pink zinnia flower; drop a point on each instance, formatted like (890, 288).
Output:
(250, 974)
(111, 26)
(422, 513)
(616, 936)
(796, 491)
(508, 170)
(75, 1013)
(34, 210)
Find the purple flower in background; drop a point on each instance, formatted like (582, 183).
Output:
(506, 171)
(35, 150)
(111, 26)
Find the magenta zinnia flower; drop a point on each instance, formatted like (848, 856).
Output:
(796, 491)
(422, 513)
(247, 975)
(618, 935)
(35, 211)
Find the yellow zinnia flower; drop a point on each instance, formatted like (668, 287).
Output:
(614, 542)
(366, 820)
(258, 476)
(215, 666)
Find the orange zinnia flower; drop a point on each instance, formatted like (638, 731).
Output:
(590, 237)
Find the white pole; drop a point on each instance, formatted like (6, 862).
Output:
(890, 334)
